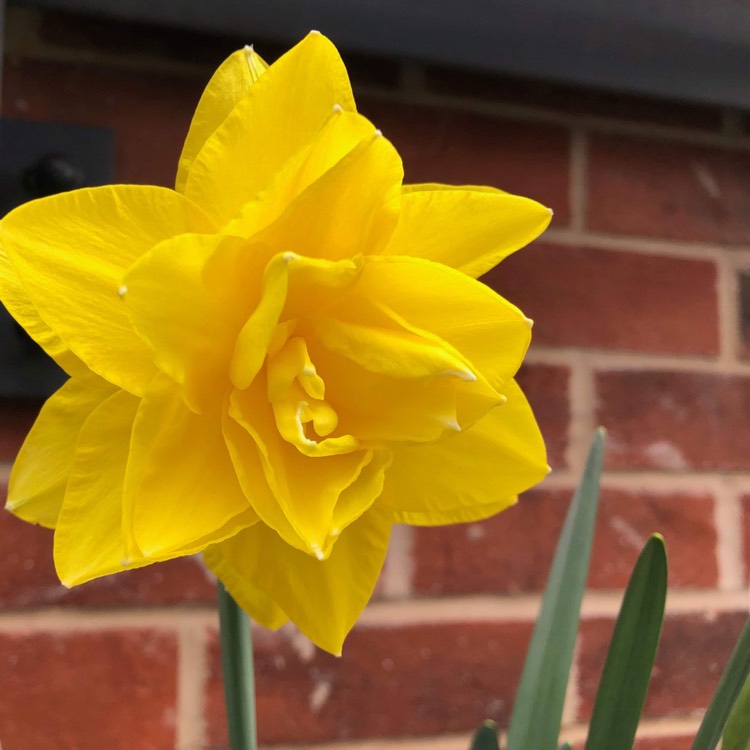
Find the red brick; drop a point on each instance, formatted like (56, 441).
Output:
(27, 576)
(508, 553)
(675, 421)
(693, 652)
(745, 500)
(683, 742)
(149, 124)
(391, 682)
(16, 418)
(512, 552)
(87, 691)
(546, 387)
(613, 300)
(743, 283)
(439, 145)
(668, 190)
(625, 522)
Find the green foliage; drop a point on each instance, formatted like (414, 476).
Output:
(485, 738)
(726, 695)
(737, 732)
(630, 659)
(535, 723)
(537, 714)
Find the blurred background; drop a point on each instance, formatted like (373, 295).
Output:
(630, 120)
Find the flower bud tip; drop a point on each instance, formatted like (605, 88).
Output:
(122, 291)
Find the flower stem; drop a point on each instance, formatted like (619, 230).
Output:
(237, 667)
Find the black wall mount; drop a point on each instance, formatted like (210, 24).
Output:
(39, 159)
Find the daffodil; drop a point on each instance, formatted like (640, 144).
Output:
(275, 361)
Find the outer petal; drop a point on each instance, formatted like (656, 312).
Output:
(18, 304)
(322, 598)
(471, 229)
(71, 252)
(227, 86)
(181, 490)
(490, 332)
(472, 475)
(41, 470)
(88, 537)
(280, 115)
(213, 285)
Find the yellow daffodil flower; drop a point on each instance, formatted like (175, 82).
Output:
(275, 361)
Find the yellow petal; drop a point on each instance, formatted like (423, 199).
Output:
(18, 304)
(471, 229)
(188, 297)
(280, 115)
(181, 491)
(88, 538)
(227, 86)
(339, 137)
(350, 210)
(491, 333)
(322, 598)
(471, 475)
(41, 470)
(305, 488)
(71, 252)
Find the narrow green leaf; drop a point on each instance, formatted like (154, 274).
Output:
(541, 694)
(485, 738)
(729, 687)
(737, 732)
(630, 659)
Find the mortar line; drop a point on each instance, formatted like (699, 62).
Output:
(398, 571)
(581, 422)
(578, 183)
(192, 673)
(641, 245)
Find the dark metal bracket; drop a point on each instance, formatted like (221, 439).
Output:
(38, 159)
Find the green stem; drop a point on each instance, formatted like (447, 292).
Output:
(237, 667)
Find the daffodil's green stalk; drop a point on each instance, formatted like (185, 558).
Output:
(238, 670)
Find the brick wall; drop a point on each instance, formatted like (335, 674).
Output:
(641, 296)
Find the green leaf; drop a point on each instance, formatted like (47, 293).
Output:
(729, 688)
(630, 659)
(541, 694)
(566, 746)
(485, 738)
(737, 731)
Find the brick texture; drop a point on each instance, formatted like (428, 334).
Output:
(745, 500)
(683, 742)
(675, 421)
(149, 129)
(693, 652)
(512, 552)
(613, 300)
(87, 691)
(27, 576)
(391, 681)
(546, 388)
(673, 191)
(523, 158)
